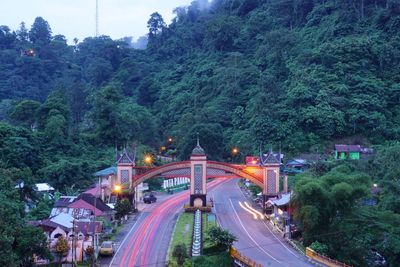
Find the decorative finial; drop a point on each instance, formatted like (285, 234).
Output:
(198, 141)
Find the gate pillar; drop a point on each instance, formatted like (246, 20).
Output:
(198, 174)
(125, 171)
(271, 166)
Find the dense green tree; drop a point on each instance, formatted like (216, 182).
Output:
(25, 112)
(220, 237)
(40, 32)
(180, 254)
(18, 242)
(122, 208)
(156, 25)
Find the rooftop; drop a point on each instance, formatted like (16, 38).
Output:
(63, 219)
(43, 187)
(270, 158)
(107, 171)
(64, 201)
(348, 148)
(93, 201)
(284, 200)
(125, 157)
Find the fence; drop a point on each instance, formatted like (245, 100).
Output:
(236, 255)
(324, 260)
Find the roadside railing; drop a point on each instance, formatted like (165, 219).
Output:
(236, 255)
(323, 259)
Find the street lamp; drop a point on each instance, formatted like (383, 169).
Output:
(117, 189)
(235, 150)
(148, 159)
(170, 139)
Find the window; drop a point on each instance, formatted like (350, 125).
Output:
(124, 176)
(198, 179)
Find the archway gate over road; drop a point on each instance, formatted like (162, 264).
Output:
(198, 169)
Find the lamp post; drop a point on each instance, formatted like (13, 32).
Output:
(148, 160)
(117, 189)
(235, 153)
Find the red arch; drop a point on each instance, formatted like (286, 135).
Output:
(239, 170)
(159, 170)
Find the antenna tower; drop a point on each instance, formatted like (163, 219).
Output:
(97, 18)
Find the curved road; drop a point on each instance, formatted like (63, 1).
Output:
(255, 237)
(146, 244)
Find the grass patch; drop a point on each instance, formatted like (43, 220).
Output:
(209, 220)
(222, 259)
(182, 234)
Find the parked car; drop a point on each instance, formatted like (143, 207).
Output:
(149, 198)
(107, 248)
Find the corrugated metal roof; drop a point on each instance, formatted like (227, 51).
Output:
(284, 200)
(108, 171)
(348, 148)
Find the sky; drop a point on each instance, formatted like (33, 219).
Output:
(76, 18)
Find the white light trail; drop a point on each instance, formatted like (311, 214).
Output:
(256, 211)
(249, 211)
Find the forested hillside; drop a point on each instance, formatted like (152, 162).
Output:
(300, 73)
(242, 73)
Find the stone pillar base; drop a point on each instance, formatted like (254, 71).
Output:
(195, 198)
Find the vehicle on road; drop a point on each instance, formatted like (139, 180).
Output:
(107, 248)
(149, 198)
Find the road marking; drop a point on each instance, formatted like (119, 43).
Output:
(294, 254)
(253, 209)
(248, 210)
(123, 241)
(161, 207)
(255, 242)
(277, 238)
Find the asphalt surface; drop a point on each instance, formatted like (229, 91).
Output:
(256, 238)
(146, 242)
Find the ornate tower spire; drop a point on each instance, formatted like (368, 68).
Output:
(198, 150)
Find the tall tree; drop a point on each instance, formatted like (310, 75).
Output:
(40, 33)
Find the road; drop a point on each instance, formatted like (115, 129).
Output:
(255, 237)
(146, 243)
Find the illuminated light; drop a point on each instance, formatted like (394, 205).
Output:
(117, 187)
(280, 212)
(253, 209)
(375, 185)
(254, 162)
(163, 148)
(235, 150)
(148, 159)
(170, 139)
(249, 211)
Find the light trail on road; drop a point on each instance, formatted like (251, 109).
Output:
(253, 209)
(262, 245)
(248, 210)
(143, 248)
